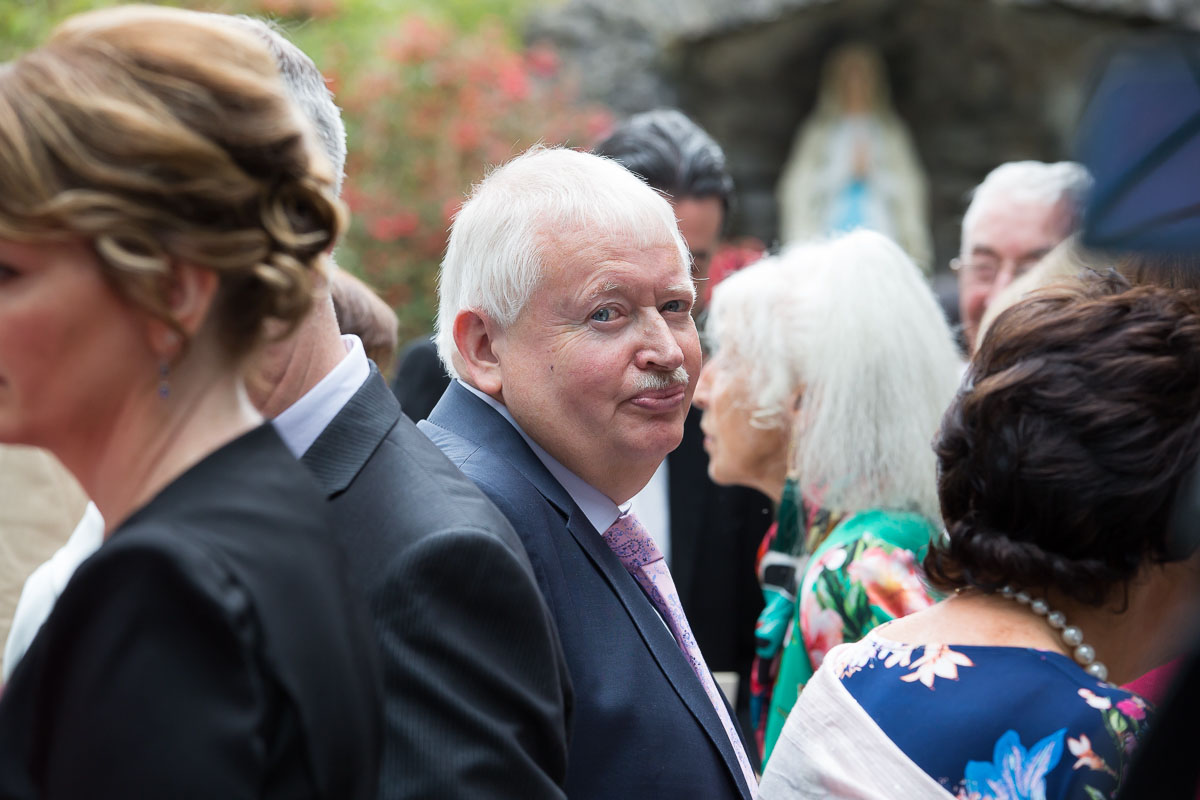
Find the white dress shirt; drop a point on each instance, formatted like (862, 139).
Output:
(652, 505)
(302, 422)
(599, 509)
(44, 585)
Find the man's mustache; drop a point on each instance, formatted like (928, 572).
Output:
(649, 381)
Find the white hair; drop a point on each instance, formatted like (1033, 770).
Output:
(306, 87)
(496, 254)
(1032, 183)
(853, 326)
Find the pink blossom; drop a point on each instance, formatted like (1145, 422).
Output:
(1136, 710)
(890, 579)
(822, 629)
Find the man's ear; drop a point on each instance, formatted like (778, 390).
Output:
(188, 293)
(475, 337)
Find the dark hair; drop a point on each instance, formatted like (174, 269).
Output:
(1060, 458)
(671, 153)
(1172, 270)
(361, 312)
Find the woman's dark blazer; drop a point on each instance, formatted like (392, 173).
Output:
(212, 648)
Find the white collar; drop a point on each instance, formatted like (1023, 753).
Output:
(599, 509)
(303, 421)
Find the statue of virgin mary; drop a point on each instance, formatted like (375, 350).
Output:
(852, 163)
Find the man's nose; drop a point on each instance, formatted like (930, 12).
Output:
(660, 348)
(703, 383)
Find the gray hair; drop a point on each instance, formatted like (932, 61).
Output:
(306, 88)
(495, 257)
(850, 323)
(1032, 182)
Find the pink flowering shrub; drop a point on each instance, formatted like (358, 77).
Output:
(427, 114)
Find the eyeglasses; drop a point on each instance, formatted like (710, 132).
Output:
(986, 270)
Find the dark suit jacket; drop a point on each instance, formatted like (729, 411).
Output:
(477, 699)
(643, 726)
(213, 647)
(715, 530)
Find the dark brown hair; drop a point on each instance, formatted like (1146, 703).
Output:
(363, 313)
(1172, 270)
(1060, 458)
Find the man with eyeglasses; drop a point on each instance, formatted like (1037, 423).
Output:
(1017, 215)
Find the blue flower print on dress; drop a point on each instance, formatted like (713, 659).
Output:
(1015, 774)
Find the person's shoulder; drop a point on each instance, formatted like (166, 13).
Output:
(890, 528)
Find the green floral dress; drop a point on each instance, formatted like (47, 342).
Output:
(864, 573)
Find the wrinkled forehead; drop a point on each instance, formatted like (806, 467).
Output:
(1016, 227)
(587, 250)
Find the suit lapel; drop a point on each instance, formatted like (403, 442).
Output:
(342, 449)
(656, 636)
(465, 415)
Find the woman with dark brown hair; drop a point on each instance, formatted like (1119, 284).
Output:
(1059, 462)
(160, 200)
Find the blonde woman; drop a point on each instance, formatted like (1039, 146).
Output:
(160, 200)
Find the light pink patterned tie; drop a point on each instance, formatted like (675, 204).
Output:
(634, 546)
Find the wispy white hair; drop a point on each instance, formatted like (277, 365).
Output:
(501, 239)
(306, 88)
(851, 323)
(1032, 182)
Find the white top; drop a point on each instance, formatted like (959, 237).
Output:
(299, 426)
(652, 505)
(599, 509)
(43, 587)
(302, 422)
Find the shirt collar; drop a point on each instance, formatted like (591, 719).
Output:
(302, 422)
(599, 509)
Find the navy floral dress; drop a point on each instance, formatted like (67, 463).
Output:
(1007, 723)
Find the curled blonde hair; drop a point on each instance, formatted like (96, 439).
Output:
(165, 136)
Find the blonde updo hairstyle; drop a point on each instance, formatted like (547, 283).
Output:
(165, 136)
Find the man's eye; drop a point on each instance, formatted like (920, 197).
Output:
(604, 315)
(674, 305)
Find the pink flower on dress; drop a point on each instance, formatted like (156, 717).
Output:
(1094, 700)
(890, 579)
(938, 661)
(822, 628)
(1085, 756)
(1132, 707)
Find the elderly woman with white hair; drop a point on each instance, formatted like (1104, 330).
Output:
(832, 365)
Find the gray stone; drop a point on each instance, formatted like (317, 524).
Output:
(978, 82)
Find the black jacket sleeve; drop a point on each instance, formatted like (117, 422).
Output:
(477, 694)
(148, 689)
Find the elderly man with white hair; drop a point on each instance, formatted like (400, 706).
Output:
(1016, 216)
(565, 302)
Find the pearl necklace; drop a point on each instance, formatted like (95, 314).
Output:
(1072, 635)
